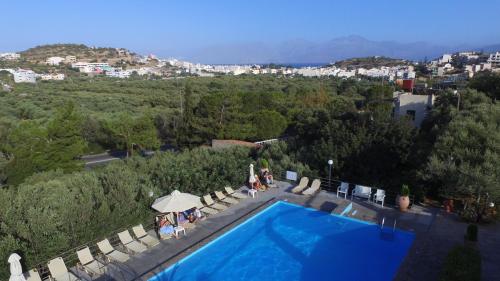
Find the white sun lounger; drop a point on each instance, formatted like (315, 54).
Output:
(89, 264)
(59, 271)
(362, 191)
(343, 188)
(131, 244)
(237, 195)
(144, 237)
(208, 210)
(210, 203)
(32, 275)
(304, 181)
(224, 198)
(316, 184)
(110, 253)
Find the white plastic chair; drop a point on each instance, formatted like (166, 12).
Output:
(343, 188)
(362, 191)
(379, 196)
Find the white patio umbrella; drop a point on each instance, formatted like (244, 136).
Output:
(251, 180)
(176, 202)
(16, 270)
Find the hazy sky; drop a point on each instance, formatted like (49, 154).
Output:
(171, 27)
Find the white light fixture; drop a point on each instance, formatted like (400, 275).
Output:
(330, 162)
(492, 205)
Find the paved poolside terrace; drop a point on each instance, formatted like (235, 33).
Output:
(436, 233)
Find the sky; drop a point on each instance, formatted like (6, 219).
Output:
(172, 27)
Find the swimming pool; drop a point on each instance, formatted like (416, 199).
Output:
(290, 242)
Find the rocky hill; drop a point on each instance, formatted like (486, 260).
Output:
(369, 62)
(82, 53)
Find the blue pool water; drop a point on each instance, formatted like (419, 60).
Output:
(290, 242)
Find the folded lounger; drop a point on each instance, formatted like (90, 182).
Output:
(110, 252)
(144, 237)
(237, 195)
(208, 210)
(304, 181)
(89, 264)
(131, 244)
(316, 184)
(210, 203)
(59, 271)
(224, 198)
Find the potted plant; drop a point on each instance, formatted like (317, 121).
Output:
(264, 166)
(470, 237)
(404, 198)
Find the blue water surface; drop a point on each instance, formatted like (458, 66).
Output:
(290, 242)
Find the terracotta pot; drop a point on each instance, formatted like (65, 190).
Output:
(404, 202)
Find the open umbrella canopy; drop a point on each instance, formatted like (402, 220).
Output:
(176, 202)
(16, 271)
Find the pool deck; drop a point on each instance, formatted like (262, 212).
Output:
(436, 233)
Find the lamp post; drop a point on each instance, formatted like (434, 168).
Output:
(458, 100)
(330, 163)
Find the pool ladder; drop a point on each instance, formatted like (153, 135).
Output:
(383, 222)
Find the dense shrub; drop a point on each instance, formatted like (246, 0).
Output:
(462, 264)
(471, 234)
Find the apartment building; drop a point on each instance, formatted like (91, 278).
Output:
(24, 76)
(494, 58)
(415, 107)
(54, 60)
(9, 56)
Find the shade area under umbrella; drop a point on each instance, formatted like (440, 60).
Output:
(16, 270)
(176, 202)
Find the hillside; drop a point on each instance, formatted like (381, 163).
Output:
(369, 62)
(82, 52)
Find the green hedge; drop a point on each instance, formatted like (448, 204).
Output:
(462, 264)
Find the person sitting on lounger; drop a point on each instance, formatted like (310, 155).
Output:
(166, 228)
(268, 178)
(191, 218)
(197, 214)
(257, 185)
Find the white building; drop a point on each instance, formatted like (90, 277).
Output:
(446, 58)
(494, 58)
(119, 74)
(9, 56)
(55, 76)
(54, 60)
(24, 76)
(88, 67)
(413, 106)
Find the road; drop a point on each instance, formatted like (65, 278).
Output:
(103, 158)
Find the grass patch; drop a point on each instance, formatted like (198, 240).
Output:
(462, 264)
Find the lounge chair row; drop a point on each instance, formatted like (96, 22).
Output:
(362, 191)
(96, 267)
(231, 197)
(302, 188)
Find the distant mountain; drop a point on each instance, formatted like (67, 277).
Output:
(303, 51)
